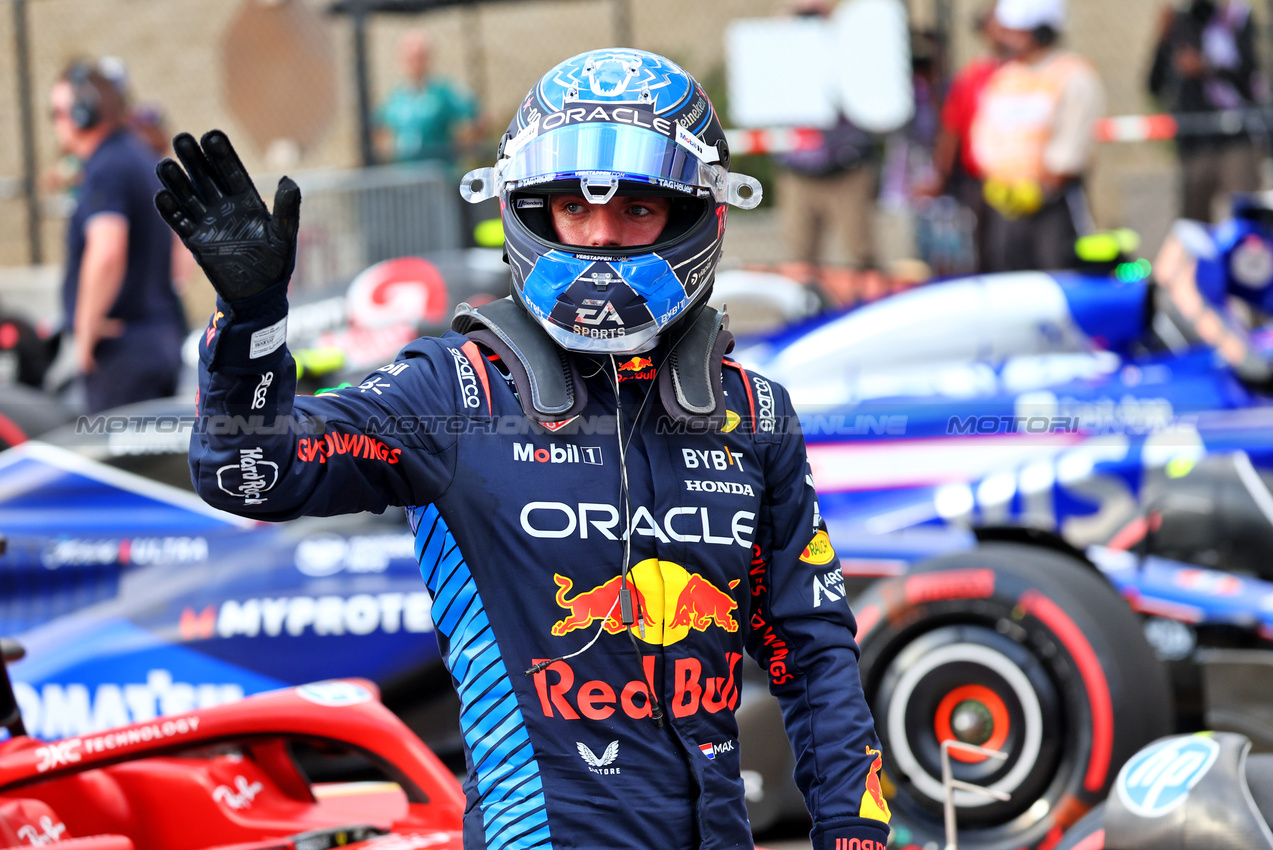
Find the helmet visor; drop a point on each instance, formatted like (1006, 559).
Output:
(631, 152)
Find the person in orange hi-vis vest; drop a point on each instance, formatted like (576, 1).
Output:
(1033, 136)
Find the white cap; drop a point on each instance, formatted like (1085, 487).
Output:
(1029, 14)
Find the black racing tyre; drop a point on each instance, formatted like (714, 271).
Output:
(1088, 833)
(1014, 648)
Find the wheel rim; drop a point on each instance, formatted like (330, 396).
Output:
(973, 684)
(972, 714)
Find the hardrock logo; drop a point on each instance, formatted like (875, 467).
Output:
(250, 477)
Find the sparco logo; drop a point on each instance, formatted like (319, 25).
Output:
(258, 395)
(682, 524)
(250, 477)
(765, 405)
(557, 454)
(468, 379)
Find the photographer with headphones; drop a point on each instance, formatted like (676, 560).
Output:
(1033, 137)
(124, 318)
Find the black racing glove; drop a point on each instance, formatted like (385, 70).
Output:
(220, 217)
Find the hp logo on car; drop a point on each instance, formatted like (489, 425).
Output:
(1159, 778)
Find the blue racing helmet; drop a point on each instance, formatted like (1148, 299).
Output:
(1240, 262)
(602, 124)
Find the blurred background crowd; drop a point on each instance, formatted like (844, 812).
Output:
(1033, 121)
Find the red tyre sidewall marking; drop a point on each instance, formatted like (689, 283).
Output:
(1076, 644)
(988, 698)
(949, 584)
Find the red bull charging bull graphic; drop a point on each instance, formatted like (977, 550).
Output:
(873, 804)
(636, 364)
(670, 602)
(636, 368)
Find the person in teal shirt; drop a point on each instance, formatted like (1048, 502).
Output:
(425, 114)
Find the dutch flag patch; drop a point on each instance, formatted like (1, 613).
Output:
(708, 750)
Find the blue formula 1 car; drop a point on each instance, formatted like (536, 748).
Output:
(1050, 496)
(179, 606)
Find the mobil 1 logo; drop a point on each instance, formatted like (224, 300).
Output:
(530, 453)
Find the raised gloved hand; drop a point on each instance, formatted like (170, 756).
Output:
(220, 217)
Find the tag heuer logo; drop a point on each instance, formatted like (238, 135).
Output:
(600, 764)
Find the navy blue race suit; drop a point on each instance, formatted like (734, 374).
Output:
(519, 534)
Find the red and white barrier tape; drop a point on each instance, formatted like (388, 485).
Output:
(1117, 128)
(772, 140)
(1136, 128)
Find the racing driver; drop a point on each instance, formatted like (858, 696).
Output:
(1204, 273)
(607, 510)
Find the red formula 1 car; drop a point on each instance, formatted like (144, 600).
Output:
(246, 776)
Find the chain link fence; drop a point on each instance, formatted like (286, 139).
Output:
(280, 77)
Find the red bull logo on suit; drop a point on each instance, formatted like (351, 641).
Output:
(873, 804)
(636, 364)
(670, 600)
(635, 369)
